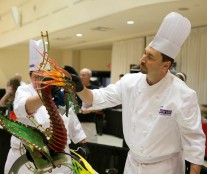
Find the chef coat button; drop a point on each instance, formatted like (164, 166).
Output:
(133, 127)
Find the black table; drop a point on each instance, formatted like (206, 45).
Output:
(113, 125)
(4, 148)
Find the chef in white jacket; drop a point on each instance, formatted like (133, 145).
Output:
(161, 115)
(27, 102)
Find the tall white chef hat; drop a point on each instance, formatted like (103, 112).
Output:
(171, 35)
(35, 57)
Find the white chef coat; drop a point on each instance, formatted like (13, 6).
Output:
(159, 121)
(72, 124)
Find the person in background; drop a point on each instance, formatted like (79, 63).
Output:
(181, 76)
(161, 116)
(8, 98)
(27, 102)
(86, 116)
(121, 75)
(19, 77)
(87, 119)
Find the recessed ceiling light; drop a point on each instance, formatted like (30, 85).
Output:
(130, 22)
(79, 35)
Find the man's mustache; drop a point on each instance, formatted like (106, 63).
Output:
(143, 64)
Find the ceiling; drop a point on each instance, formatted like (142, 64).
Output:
(104, 31)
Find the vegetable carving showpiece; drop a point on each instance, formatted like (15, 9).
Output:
(45, 148)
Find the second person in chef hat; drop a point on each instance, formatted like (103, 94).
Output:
(27, 102)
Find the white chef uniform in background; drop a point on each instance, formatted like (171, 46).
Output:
(72, 124)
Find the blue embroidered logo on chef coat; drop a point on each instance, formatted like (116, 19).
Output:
(165, 112)
(32, 65)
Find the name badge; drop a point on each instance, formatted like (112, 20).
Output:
(165, 112)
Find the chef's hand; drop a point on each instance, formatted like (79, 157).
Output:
(78, 84)
(55, 90)
(58, 96)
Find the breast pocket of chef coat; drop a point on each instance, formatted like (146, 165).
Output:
(164, 117)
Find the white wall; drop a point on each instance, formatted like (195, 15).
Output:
(13, 60)
(16, 59)
(98, 59)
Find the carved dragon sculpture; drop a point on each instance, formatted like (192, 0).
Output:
(46, 147)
